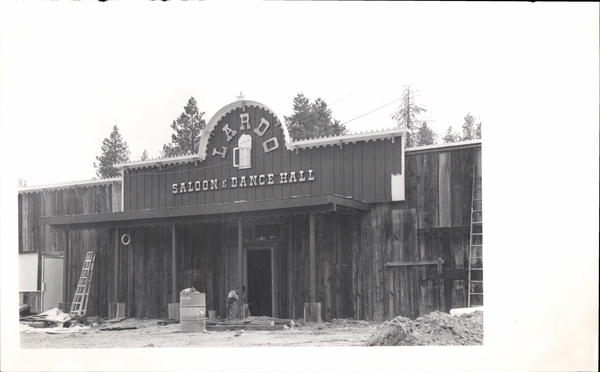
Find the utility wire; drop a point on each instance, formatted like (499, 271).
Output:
(339, 100)
(370, 112)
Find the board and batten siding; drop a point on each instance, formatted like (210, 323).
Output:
(352, 249)
(433, 222)
(37, 238)
(361, 170)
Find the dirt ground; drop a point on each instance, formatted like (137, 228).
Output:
(339, 332)
(433, 329)
(436, 328)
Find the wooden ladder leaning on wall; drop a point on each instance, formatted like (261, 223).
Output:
(475, 297)
(80, 300)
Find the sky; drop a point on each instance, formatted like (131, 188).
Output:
(70, 71)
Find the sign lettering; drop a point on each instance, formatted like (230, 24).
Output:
(242, 181)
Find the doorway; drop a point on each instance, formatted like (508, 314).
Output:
(260, 255)
(260, 294)
(52, 281)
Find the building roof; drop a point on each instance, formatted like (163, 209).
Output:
(70, 185)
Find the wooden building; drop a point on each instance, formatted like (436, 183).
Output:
(356, 223)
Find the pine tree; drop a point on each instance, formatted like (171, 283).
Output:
(407, 115)
(114, 150)
(22, 183)
(451, 136)
(188, 127)
(312, 120)
(471, 130)
(425, 135)
(144, 155)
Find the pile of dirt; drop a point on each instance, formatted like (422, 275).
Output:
(436, 328)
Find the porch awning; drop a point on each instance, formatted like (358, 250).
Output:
(211, 213)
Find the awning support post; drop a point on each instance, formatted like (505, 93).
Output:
(312, 310)
(241, 307)
(174, 298)
(313, 267)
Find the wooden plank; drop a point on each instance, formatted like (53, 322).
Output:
(348, 159)
(457, 183)
(421, 169)
(368, 171)
(445, 197)
(306, 164)
(25, 223)
(356, 274)
(431, 191)
(327, 284)
(382, 170)
(338, 170)
(291, 267)
(378, 229)
(337, 266)
(313, 274)
(274, 158)
(327, 170)
(240, 261)
(295, 164)
(389, 168)
(387, 255)
(412, 248)
(467, 192)
(65, 294)
(130, 272)
(286, 166)
(116, 257)
(174, 273)
(346, 259)
(357, 166)
(367, 268)
(397, 255)
(411, 263)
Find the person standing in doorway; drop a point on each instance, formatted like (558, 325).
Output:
(233, 298)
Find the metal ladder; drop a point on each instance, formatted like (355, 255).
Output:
(475, 297)
(80, 300)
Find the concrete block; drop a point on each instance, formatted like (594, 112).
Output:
(312, 312)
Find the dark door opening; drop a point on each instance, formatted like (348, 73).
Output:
(259, 282)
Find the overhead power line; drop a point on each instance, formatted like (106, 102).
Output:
(370, 112)
(339, 100)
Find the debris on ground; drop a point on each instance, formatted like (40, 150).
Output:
(118, 328)
(436, 328)
(24, 309)
(121, 324)
(116, 320)
(50, 318)
(168, 321)
(25, 328)
(189, 290)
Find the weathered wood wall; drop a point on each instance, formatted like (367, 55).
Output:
(433, 222)
(352, 250)
(144, 277)
(33, 237)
